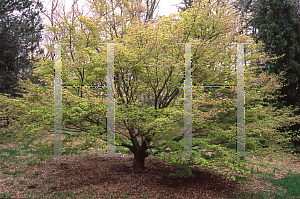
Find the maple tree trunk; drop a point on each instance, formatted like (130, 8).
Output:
(139, 162)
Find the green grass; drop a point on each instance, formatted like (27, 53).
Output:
(290, 183)
(4, 195)
(64, 194)
(121, 149)
(6, 135)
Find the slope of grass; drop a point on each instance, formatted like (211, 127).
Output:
(290, 183)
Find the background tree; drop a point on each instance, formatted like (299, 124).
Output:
(20, 35)
(130, 10)
(297, 8)
(246, 8)
(105, 20)
(187, 4)
(280, 31)
(216, 6)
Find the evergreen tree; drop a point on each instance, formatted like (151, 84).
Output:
(297, 8)
(19, 38)
(280, 32)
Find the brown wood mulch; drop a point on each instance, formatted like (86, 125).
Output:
(112, 176)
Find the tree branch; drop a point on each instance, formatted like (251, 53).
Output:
(127, 145)
(123, 134)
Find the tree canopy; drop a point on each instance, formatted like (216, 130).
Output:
(279, 29)
(20, 35)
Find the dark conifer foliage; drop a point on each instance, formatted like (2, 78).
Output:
(279, 29)
(20, 34)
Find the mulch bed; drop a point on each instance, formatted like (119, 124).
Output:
(112, 176)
